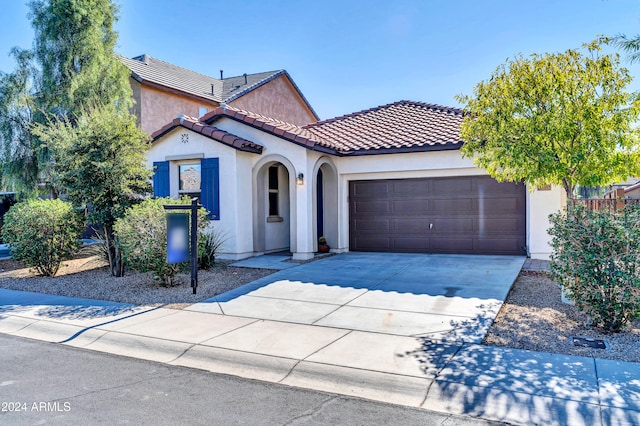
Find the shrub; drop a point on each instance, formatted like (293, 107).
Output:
(100, 248)
(209, 246)
(142, 236)
(595, 259)
(43, 233)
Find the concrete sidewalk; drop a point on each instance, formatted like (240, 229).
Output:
(514, 386)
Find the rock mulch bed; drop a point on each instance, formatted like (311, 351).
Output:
(89, 277)
(534, 317)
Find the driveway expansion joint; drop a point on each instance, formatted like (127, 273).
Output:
(437, 374)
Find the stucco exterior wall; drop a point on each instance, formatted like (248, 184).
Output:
(242, 210)
(540, 204)
(633, 194)
(198, 146)
(159, 107)
(136, 93)
(297, 160)
(277, 99)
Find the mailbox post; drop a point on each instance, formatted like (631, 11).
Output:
(176, 236)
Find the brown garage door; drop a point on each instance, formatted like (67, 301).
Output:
(469, 214)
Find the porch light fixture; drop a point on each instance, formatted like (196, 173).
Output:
(300, 179)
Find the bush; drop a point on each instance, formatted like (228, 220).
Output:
(209, 246)
(142, 237)
(43, 233)
(596, 259)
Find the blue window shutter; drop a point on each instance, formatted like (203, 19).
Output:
(210, 186)
(161, 179)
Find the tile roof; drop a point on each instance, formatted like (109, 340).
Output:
(282, 129)
(403, 126)
(211, 132)
(145, 68)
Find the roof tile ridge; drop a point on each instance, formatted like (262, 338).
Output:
(272, 75)
(350, 115)
(183, 117)
(253, 73)
(264, 117)
(438, 107)
(174, 65)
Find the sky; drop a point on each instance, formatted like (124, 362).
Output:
(346, 56)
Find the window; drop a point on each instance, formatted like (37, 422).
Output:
(190, 179)
(199, 179)
(274, 205)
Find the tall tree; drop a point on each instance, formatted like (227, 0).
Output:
(20, 154)
(71, 66)
(100, 159)
(74, 46)
(556, 118)
(631, 45)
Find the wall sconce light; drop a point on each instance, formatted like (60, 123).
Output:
(300, 179)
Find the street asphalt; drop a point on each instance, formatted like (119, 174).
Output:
(401, 329)
(86, 387)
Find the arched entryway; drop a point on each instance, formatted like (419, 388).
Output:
(326, 203)
(273, 207)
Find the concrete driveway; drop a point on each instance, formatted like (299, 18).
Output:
(446, 298)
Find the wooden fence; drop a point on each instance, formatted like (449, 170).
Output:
(611, 204)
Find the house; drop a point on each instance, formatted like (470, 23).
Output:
(628, 190)
(162, 91)
(389, 179)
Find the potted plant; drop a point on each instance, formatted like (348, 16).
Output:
(323, 247)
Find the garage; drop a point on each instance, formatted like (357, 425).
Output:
(464, 214)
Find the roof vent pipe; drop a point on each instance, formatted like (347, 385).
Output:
(221, 74)
(212, 89)
(245, 77)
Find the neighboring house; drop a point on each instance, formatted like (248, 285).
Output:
(386, 179)
(629, 189)
(162, 91)
(632, 191)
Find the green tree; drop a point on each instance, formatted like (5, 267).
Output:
(557, 118)
(19, 149)
(74, 47)
(71, 66)
(100, 159)
(631, 45)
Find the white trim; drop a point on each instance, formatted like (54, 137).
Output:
(184, 157)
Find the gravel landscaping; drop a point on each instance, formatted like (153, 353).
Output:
(89, 277)
(533, 317)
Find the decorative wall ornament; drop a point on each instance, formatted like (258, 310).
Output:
(184, 138)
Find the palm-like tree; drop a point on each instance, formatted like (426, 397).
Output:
(631, 45)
